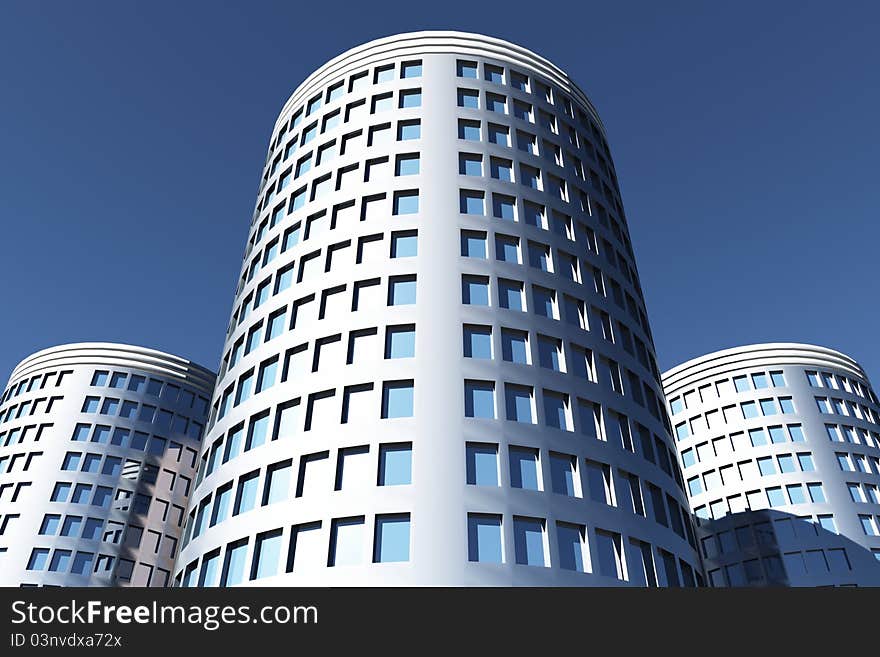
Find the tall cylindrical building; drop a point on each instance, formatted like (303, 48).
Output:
(780, 448)
(438, 368)
(98, 448)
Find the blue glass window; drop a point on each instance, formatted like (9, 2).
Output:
(38, 559)
(469, 130)
(524, 468)
(473, 244)
(81, 432)
(507, 248)
(258, 432)
(268, 554)
(50, 524)
(484, 538)
(406, 202)
(408, 165)
(466, 69)
(571, 551)
(470, 164)
(410, 98)
(404, 245)
(469, 98)
(411, 69)
(479, 399)
(477, 341)
(482, 464)
(562, 474)
(395, 465)
(472, 203)
(402, 291)
(90, 405)
(276, 324)
(392, 538)
(400, 342)
(555, 410)
(514, 346)
(268, 374)
(475, 290)
(397, 399)
(408, 130)
(510, 294)
(504, 207)
(234, 566)
(528, 540)
(247, 493)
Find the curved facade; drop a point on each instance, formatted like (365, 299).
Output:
(438, 369)
(780, 449)
(98, 448)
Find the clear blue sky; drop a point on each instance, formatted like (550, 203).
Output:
(745, 137)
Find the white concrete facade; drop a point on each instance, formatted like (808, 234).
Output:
(780, 450)
(98, 447)
(416, 189)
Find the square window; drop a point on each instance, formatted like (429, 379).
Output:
(469, 98)
(484, 538)
(510, 294)
(410, 98)
(472, 202)
(475, 290)
(524, 469)
(469, 130)
(404, 244)
(401, 290)
(400, 341)
(406, 202)
(479, 399)
(528, 541)
(395, 464)
(409, 130)
(519, 403)
(407, 164)
(499, 134)
(470, 164)
(477, 341)
(391, 538)
(482, 464)
(411, 69)
(473, 244)
(397, 399)
(346, 541)
(504, 207)
(466, 69)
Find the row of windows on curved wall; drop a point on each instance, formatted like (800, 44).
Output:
(170, 393)
(832, 381)
(33, 383)
(727, 387)
(778, 566)
(846, 408)
(310, 546)
(25, 433)
(118, 569)
(734, 414)
(160, 418)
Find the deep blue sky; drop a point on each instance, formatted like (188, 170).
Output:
(745, 137)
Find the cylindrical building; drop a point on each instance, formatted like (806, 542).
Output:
(98, 449)
(780, 448)
(438, 369)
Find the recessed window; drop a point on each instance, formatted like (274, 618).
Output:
(404, 244)
(524, 468)
(401, 290)
(469, 130)
(482, 464)
(400, 341)
(406, 202)
(494, 73)
(410, 98)
(409, 130)
(504, 207)
(475, 290)
(407, 164)
(472, 202)
(346, 541)
(384, 74)
(397, 399)
(411, 69)
(473, 244)
(470, 164)
(469, 98)
(499, 134)
(395, 464)
(496, 103)
(466, 69)
(571, 540)
(528, 541)
(484, 538)
(477, 341)
(510, 294)
(479, 399)
(391, 538)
